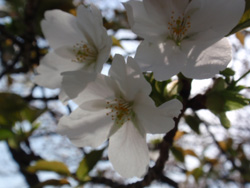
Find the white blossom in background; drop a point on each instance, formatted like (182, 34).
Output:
(79, 42)
(118, 108)
(183, 36)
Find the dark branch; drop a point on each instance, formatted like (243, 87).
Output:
(44, 99)
(23, 160)
(10, 68)
(105, 181)
(15, 39)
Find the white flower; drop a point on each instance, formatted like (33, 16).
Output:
(117, 107)
(184, 36)
(79, 42)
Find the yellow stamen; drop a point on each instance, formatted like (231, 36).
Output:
(120, 110)
(178, 27)
(84, 53)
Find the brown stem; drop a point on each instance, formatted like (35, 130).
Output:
(23, 160)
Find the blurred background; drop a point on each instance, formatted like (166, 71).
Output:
(211, 147)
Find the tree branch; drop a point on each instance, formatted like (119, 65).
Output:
(242, 171)
(23, 160)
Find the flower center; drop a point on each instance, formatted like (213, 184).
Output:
(178, 27)
(84, 53)
(121, 110)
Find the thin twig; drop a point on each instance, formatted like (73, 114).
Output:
(242, 76)
(242, 171)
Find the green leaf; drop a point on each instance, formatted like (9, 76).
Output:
(178, 153)
(53, 182)
(159, 92)
(161, 86)
(5, 134)
(31, 114)
(234, 101)
(224, 120)
(88, 163)
(13, 108)
(197, 173)
(244, 22)
(219, 85)
(245, 19)
(227, 72)
(193, 122)
(239, 88)
(54, 166)
(215, 102)
(225, 100)
(10, 106)
(11, 103)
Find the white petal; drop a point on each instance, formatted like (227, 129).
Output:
(129, 10)
(157, 9)
(218, 15)
(74, 82)
(164, 59)
(142, 24)
(66, 52)
(205, 62)
(90, 23)
(63, 97)
(103, 55)
(85, 128)
(50, 69)
(161, 10)
(93, 105)
(154, 119)
(96, 66)
(60, 29)
(138, 77)
(208, 35)
(84, 86)
(128, 151)
(96, 14)
(128, 77)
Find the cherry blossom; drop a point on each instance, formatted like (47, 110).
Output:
(79, 42)
(118, 108)
(183, 36)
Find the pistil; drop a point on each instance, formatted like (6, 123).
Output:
(84, 53)
(120, 110)
(178, 27)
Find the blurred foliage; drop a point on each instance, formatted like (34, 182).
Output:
(15, 109)
(87, 164)
(20, 54)
(19, 7)
(53, 166)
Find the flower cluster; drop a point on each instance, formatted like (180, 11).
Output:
(179, 36)
(184, 36)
